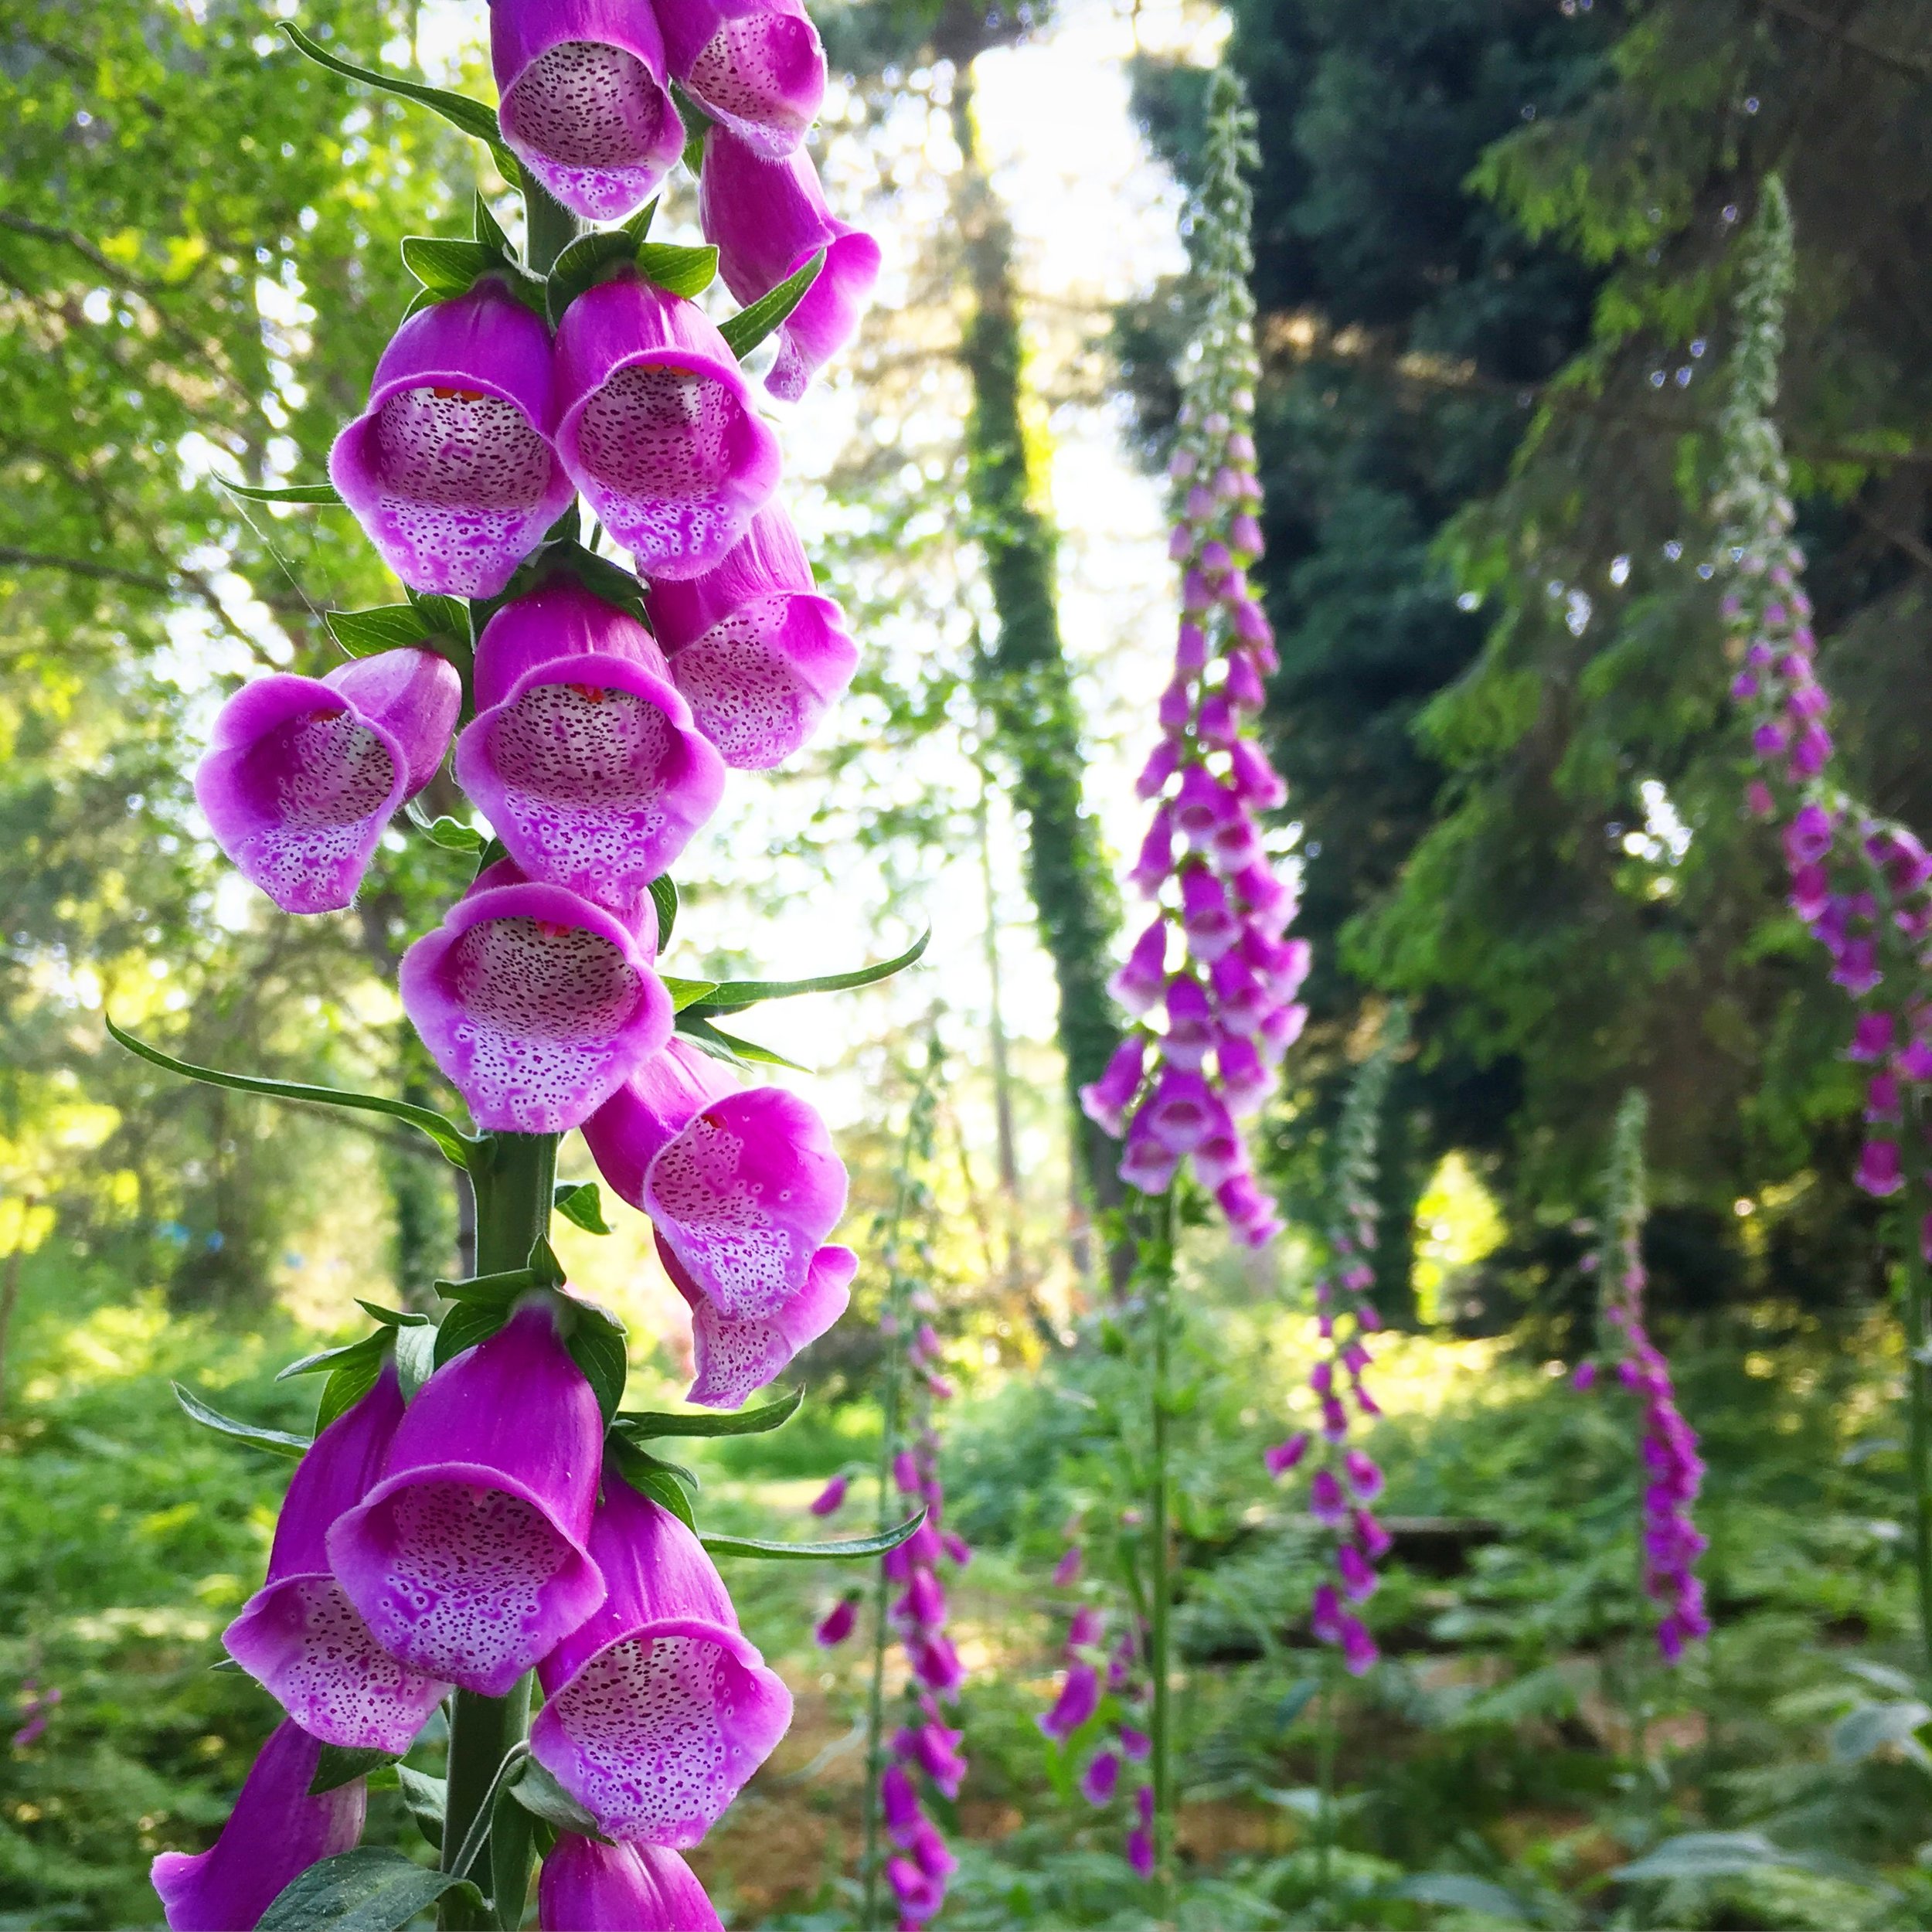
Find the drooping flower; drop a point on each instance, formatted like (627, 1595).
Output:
(759, 654)
(302, 774)
(767, 219)
(756, 66)
(275, 1833)
(583, 102)
(737, 1355)
(469, 1560)
(656, 427)
(299, 1635)
(585, 1886)
(585, 760)
(449, 470)
(538, 1005)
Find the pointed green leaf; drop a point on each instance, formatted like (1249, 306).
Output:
(649, 1477)
(638, 226)
(466, 1325)
(447, 265)
(728, 1047)
(487, 228)
(428, 1801)
(582, 1206)
(851, 1549)
(641, 1425)
(326, 1361)
(278, 1440)
(339, 1765)
(348, 1385)
(684, 271)
(393, 1318)
(447, 1136)
(735, 994)
(595, 1341)
(311, 493)
(415, 1359)
(389, 627)
(451, 834)
(446, 616)
(749, 326)
(370, 1890)
(490, 1289)
(687, 992)
(542, 1796)
(664, 896)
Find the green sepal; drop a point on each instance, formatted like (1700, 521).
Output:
(308, 493)
(586, 261)
(642, 1425)
(594, 1339)
(415, 1359)
(851, 1549)
(448, 1136)
(582, 1206)
(465, 1326)
(687, 992)
(393, 1318)
(638, 226)
(472, 117)
(389, 626)
(370, 1890)
(280, 1442)
(734, 995)
(427, 1799)
(749, 326)
(487, 228)
(543, 1797)
(728, 1047)
(616, 586)
(446, 616)
(326, 1361)
(650, 1476)
(664, 897)
(345, 1388)
(491, 853)
(684, 271)
(339, 1765)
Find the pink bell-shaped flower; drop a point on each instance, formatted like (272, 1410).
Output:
(304, 774)
(759, 656)
(585, 1886)
(657, 1709)
(299, 1635)
(1105, 1101)
(274, 1834)
(656, 427)
(584, 106)
(468, 1561)
(755, 65)
(587, 764)
(767, 219)
(449, 470)
(538, 1005)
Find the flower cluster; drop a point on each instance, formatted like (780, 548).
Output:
(1673, 1469)
(1227, 1010)
(1859, 883)
(1346, 1481)
(461, 1522)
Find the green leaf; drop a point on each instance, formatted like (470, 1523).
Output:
(466, 1325)
(279, 1441)
(447, 265)
(583, 262)
(487, 228)
(473, 116)
(446, 1135)
(638, 226)
(393, 1318)
(346, 1387)
(511, 1828)
(643, 1425)
(542, 1796)
(582, 1206)
(595, 1342)
(370, 1890)
(684, 271)
(326, 1361)
(389, 627)
(286, 493)
(749, 326)
(654, 1478)
(735, 994)
(664, 896)
(338, 1765)
(415, 1359)
(446, 616)
(687, 992)
(428, 1801)
(851, 1549)
(1871, 1728)
(1706, 1855)
(1461, 1892)
(728, 1047)
(451, 834)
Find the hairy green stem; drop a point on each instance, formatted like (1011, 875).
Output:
(1159, 1279)
(514, 1177)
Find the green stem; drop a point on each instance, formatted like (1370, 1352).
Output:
(1918, 1385)
(515, 1176)
(1159, 1280)
(549, 228)
(1326, 1729)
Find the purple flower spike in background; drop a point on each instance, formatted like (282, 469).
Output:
(589, 1887)
(298, 1635)
(1079, 1698)
(449, 470)
(767, 219)
(755, 65)
(584, 106)
(538, 1005)
(274, 1834)
(656, 427)
(468, 1560)
(657, 1709)
(758, 653)
(588, 766)
(302, 774)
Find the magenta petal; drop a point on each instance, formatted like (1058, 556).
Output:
(274, 1834)
(657, 427)
(538, 1005)
(468, 1560)
(768, 218)
(760, 654)
(584, 104)
(659, 1101)
(303, 773)
(758, 68)
(657, 1709)
(745, 1196)
(559, 619)
(449, 470)
(736, 1357)
(589, 1887)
